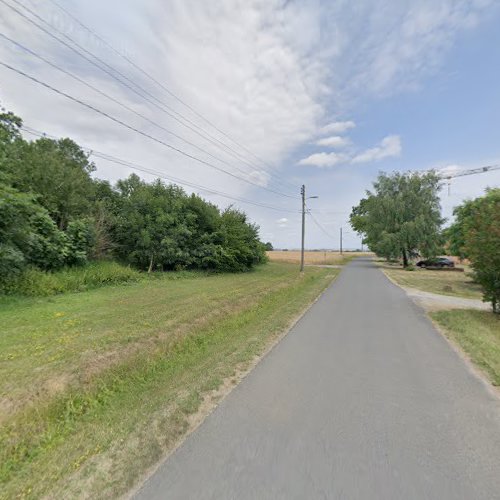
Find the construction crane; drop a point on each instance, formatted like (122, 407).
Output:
(447, 176)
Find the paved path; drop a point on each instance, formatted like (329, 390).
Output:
(362, 400)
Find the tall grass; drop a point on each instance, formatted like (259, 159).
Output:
(36, 283)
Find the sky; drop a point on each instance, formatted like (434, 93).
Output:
(255, 98)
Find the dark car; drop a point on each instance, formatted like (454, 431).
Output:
(436, 262)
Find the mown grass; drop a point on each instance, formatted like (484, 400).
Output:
(97, 386)
(478, 334)
(457, 284)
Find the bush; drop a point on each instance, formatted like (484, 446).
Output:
(36, 283)
(481, 230)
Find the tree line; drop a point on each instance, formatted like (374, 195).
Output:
(54, 213)
(401, 219)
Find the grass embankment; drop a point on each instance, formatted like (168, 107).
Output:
(478, 334)
(318, 258)
(97, 386)
(453, 283)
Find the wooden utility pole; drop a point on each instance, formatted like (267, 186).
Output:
(303, 193)
(341, 241)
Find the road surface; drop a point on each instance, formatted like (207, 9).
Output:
(363, 399)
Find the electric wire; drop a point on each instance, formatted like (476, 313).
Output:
(134, 129)
(319, 225)
(131, 85)
(166, 89)
(140, 168)
(128, 108)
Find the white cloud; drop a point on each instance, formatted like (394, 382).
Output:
(390, 146)
(283, 222)
(335, 141)
(389, 46)
(323, 160)
(337, 127)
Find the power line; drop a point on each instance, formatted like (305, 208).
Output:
(131, 85)
(319, 225)
(134, 129)
(128, 108)
(161, 106)
(135, 166)
(169, 92)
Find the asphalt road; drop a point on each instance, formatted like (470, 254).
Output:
(362, 400)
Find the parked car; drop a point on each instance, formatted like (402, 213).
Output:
(436, 262)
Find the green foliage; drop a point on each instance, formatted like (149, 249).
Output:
(160, 227)
(54, 214)
(401, 218)
(476, 235)
(81, 241)
(28, 236)
(58, 172)
(269, 246)
(241, 248)
(33, 282)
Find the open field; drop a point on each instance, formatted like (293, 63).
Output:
(455, 284)
(310, 257)
(478, 334)
(97, 386)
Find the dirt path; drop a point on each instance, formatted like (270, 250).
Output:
(435, 302)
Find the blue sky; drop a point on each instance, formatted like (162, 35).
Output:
(325, 93)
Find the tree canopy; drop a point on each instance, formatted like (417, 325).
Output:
(475, 235)
(401, 217)
(54, 213)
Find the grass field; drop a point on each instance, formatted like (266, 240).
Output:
(319, 257)
(478, 334)
(97, 386)
(456, 284)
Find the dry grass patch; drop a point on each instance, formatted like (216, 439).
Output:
(455, 284)
(319, 257)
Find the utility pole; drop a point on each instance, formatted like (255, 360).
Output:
(341, 241)
(303, 193)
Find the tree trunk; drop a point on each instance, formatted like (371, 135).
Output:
(405, 258)
(151, 263)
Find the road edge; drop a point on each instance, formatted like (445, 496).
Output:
(212, 399)
(474, 370)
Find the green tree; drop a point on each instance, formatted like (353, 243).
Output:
(28, 236)
(241, 246)
(475, 235)
(158, 226)
(401, 217)
(149, 228)
(58, 172)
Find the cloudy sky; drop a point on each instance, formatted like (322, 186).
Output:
(261, 96)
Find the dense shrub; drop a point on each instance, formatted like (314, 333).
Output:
(475, 235)
(34, 282)
(161, 227)
(54, 215)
